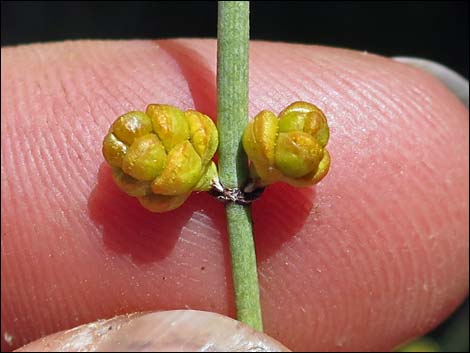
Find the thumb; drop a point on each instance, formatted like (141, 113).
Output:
(167, 331)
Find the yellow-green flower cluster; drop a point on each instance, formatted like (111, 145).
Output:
(290, 147)
(162, 155)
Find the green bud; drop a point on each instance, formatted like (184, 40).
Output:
(290, 147)
(129, 185)
(297, 154)
(169, 123)
(203, 135)
(162, 203)
(306, 117)
(259, 142)
(114, 150)
(130, 126)
(145, 158)
(161, 156)
(182, 172)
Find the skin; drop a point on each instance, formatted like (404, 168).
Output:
(375, 254)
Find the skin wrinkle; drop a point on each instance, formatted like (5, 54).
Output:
(62, 311)
(407, 263)
(6, 198)
(108, 74)
(29, 254)
(321, 251)
(67, 135)
(307, 242)
(271, 77)
(343, 251)
(432, 202)
(103, 72)
(398, 102)
(428, 274)
(123, 84)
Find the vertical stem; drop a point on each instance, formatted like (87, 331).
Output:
(232, 117)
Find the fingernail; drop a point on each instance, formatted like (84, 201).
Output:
(167, 331)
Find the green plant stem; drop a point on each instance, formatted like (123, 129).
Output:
(232, 117)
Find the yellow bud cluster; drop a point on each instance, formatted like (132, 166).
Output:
(288, 148)
(162, 155)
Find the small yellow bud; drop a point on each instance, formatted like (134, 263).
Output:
(114, 150)
(308, 119)
(169, 123)
(145, 158)
(129, 185)
(161, 156)
(162, 203)
(203, 135)
(182, 172)
(297, 153)
(290, 147)
(130, 126)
